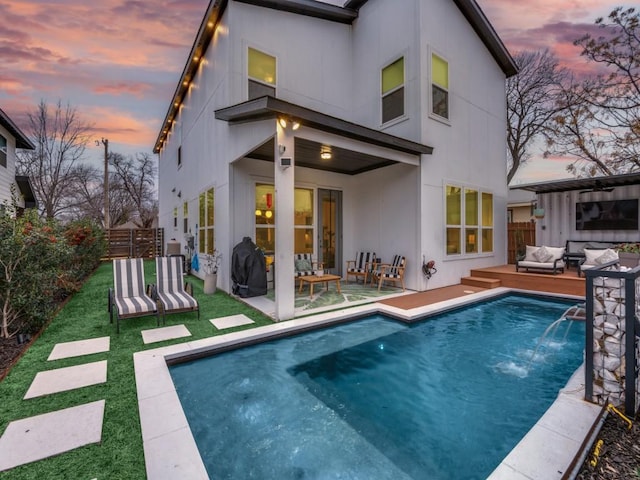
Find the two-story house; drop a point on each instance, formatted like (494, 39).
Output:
(13, 188)
(374, 126)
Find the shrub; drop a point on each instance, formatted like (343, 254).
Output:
(628, 247)
(86, 239)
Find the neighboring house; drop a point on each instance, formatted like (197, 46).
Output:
(378, 126)
(520, 206)
(12, 138)
(597, 209)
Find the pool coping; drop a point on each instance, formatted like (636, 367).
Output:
(170, 450)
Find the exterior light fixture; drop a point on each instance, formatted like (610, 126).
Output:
(295, 125)
(283, 122)
(325, 153)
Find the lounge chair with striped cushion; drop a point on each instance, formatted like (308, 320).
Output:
(361, 266)
(170, 288)
(128, 297)
(393, 272)
(304, 265)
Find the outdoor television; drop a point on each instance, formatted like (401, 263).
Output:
(607, 215)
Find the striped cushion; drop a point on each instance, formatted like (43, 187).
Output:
(395, 270)
(362, 262)
(303, 256)
(129, 287)
(170, 286)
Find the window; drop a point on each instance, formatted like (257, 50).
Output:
(439, 86)
(262, 74)
(3, 151)
(206, 222)
(265, 215)
(185, 217)
(469, 221)
(179, 156)
(393, 91)
(175, 218)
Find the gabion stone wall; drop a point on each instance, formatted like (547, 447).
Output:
(609, 337)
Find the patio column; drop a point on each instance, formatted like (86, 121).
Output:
(284, 181)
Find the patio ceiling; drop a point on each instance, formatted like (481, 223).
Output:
(307, 151)
(592, 183)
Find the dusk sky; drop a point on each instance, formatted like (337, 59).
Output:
(118, 61)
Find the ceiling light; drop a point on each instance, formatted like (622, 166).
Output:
(283, 122)
(295, 126)
(325, 152)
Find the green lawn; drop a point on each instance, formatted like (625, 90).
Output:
(120, 455)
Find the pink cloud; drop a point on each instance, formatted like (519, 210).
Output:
(135, 89)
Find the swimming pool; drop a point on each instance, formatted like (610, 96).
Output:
(448, 397)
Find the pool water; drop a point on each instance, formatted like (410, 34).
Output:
(445, 398)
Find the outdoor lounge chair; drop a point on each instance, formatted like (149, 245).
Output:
(393, 272)
(170, 290)
(127, 298)
(361, 266)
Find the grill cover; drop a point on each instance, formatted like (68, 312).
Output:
(248, 270)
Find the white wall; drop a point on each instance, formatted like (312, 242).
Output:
(8, 174)
(559, 222)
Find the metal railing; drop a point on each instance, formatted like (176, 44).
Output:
(612, 353)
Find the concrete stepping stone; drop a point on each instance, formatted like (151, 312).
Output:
(43, 436)
(79, 348)
(165, 333)
(231, 321)
(67, 378)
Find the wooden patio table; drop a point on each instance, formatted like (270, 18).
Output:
(313, 279)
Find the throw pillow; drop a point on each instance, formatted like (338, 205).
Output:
(528, 257)
(591, 255)
(543, 255)
(608, 256)
(303, 265)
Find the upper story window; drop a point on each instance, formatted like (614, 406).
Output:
(262, 74)
(439, 86)
(179, 156)
(3, 151)
(393, 91)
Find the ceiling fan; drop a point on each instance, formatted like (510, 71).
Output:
(598, 187)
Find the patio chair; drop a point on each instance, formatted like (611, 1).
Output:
(362, 266)
(172, 293)
(304, 265)
(128, 298)
(393, 272)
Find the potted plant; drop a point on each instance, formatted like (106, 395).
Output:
(210, 264)
(629, 254)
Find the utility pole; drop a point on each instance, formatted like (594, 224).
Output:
(105, 142)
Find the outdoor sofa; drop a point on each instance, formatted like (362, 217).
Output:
(574, 249)
(547, 259)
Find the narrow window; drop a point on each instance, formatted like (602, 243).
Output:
(206, 222)
(393, 91)
(439, 86)
(3, 151)
(179, 156)
(175, 217)
(454, 219)
(262, 74)
(185, 217)
(487, 222)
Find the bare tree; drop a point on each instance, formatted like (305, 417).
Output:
(136, 174)
(61, 137)
(601, 123)
(531, 103)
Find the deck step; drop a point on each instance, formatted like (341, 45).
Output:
(481, 282)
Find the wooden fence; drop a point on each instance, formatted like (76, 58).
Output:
(135, 243)
(519, 234)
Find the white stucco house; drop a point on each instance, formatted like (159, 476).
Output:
(317, 128)
(12, 138)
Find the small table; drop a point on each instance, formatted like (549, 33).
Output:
(313, 279)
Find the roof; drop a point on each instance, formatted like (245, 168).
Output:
(346, 14)
(24, 185)
(22, 141)
(270, 108)
(589, 183)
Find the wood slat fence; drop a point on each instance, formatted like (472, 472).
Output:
(135, 243)
(519, 234)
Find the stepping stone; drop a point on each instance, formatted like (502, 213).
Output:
(43, 436)
(231, 321)
(164, 333)
(67, 378)
(79, 348)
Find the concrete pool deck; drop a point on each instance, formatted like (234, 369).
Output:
(546, 452)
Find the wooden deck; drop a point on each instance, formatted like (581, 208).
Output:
(567, 283)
